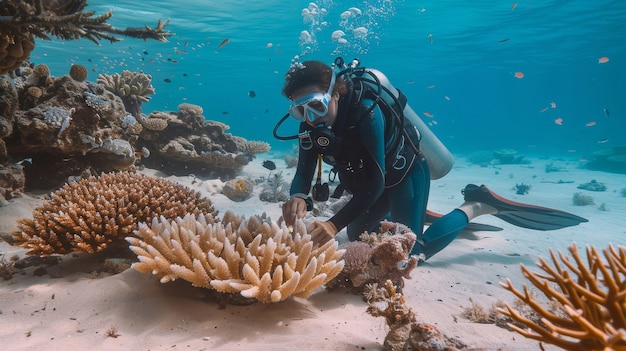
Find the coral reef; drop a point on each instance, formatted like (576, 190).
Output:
(21, 21)
(254, 258)
(482, 158)
(522, 189)
(377, 258)
(509, 156)
(238, 189)
(405, 333)
(592, 297)
(551, 167)
(593, 185)
(97, 212)
(608, 160)
(78, 72)
(83, 126)
(582, 200)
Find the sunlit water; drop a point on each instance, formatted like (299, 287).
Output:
(456, 60)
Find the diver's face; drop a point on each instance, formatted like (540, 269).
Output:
(314, 106)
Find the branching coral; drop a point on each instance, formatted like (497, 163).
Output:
(21, 21)
(255, 258)
(96, 212)
(132, 87)
(592, 296)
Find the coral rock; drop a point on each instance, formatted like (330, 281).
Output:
(78, 73)
(238, 189)
(91, 214)
(379, 258)
(255, 258)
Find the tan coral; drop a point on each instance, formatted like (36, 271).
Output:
(191, 109)
(255, 258)
(153, 123)
(35, 92)
(78, 72)
(96, 212)
(252, 147)
(135, 84)
(592, 296)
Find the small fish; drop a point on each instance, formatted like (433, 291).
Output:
(430, 86)
(145, 52)
(430, 38)
(167, 80)
(513, 6)
(428, 114)
(224, 42)
(519, 75)
(553, 104)
(503, 40)
(544, 109)
(269, 165)
(558, 121)
(447, 97)
(603, 59)
(225, 113)
(606, 112)
(602, 141)
(590, 124)
(251, 93)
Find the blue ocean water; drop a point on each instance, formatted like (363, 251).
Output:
(455, 60)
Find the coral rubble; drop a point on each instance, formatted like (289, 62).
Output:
(377, 258)
(97, 212)
(592, 296)
(254, 258)
(405, 332)
(21, 21)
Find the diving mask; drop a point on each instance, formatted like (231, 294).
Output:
(312, 106)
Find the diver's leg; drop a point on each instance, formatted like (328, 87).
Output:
(370, 219)
(408, 200)
(442, 232)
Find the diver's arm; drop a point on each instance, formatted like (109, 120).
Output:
(301, 184)
(372, 129)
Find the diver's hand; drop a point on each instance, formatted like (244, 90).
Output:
(321, 232)
(293, 209)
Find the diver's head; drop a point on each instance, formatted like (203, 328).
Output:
(314, 91)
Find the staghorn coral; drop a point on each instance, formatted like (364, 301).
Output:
(255, 258)
(592, 295)
(21, 21)
(91, 214)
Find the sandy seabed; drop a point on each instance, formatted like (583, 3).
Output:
(70, 308)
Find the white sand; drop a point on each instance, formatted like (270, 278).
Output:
(70, 309)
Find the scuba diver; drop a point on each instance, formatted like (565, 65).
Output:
(385, 156)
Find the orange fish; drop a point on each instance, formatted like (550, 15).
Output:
(224, 42)
(519, 75)
(559, 121)
(603, 59)
(590, 124)
(428, 114)
(553, 104)
(544, 109)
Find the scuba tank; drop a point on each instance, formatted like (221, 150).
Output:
(438, 157)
